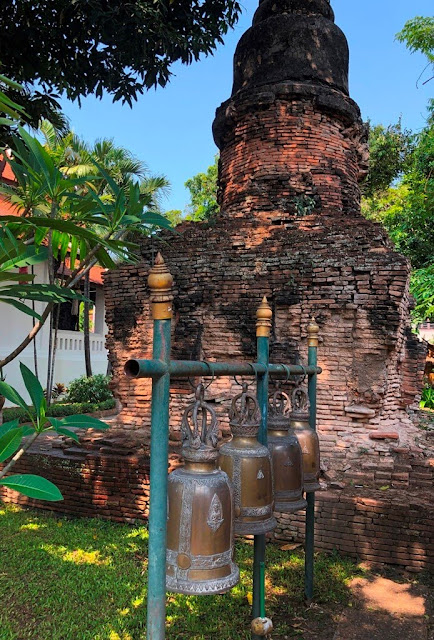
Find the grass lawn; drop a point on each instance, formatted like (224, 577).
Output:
(63, 579)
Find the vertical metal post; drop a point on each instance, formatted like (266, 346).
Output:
(160, 282)
(313, 330)
(263, 327)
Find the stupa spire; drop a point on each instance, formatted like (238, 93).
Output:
(292, 41)
(269, 8)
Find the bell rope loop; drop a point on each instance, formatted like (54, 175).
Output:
(244, 413)
(198, 436)
(280, 403)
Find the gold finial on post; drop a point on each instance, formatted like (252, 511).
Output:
(312, 332)
(264, 315)
(160, 282)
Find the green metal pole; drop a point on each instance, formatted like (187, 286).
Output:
(263, 355)
(310, 497)
(160, 282)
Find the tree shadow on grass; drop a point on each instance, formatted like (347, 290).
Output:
(64, 579)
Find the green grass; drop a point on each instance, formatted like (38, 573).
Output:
(63, 579)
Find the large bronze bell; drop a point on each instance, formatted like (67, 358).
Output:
(308, 439)
(248, 464)
(200, 544)
(286, 455)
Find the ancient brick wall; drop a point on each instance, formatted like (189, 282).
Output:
(392, 526)
(293, 147)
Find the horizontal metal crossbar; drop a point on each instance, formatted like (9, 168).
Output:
(186, 368)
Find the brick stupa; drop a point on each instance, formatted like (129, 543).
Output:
(292, 150)
(293, 147)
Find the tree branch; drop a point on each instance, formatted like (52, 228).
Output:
(18, 455)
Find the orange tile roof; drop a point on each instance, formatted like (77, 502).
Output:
(6, 173)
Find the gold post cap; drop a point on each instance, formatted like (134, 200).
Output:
(160, 282)
(313, 332)
(264, 315)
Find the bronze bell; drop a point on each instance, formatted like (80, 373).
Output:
(286, 455)
(248, 464)
(200, 537)
(308, 439)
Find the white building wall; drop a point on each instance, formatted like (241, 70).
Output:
(15, 326)
(426, 331)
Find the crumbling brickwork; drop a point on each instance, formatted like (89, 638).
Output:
(293, 147)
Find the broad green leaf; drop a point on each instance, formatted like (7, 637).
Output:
(21, 307)
(40, 292)
(12, 395)
(22, 256)
(34, 389)
(57, 424)
(150, 217)
(83, 422)
(7, 426)
(12, 84)
(16, 277)
(10, 442)
(33, 487)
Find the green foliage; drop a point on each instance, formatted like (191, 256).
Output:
(11, 436)
(59, 410)
(122, 48)
(422, 288)
(389, 148)
(407, 210)
(427, 401)
(33, 487)
(175, 216)
(104, 566)
(10, 111)
(94, 389)
(418, 35)
(203, 194)
(78, 206)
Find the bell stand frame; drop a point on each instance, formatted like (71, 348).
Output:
(161, 368)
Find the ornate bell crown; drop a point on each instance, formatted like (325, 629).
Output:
(199, 429)
(244, 414)
(279, 407)
(300, 405)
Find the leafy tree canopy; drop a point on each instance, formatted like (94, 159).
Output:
(418, 35)
(407, 210)
(389, 149)
(122, 47)
(203, 194)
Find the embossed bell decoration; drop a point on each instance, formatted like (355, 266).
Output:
(200, 544)
(248, 464)
(286, 455)
(308, 439)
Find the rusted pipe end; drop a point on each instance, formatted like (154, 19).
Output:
(132, 368)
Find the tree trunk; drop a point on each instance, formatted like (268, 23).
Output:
(86, 329)
(56, 316)
(35, 349)
(50, 355)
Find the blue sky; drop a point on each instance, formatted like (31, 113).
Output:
(171, 128)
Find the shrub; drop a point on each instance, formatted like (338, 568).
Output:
(94, 389)
(427, 401)
(59, 410)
